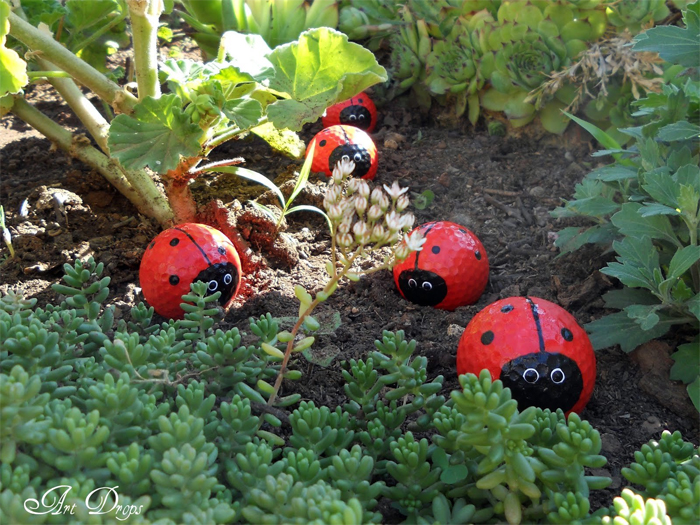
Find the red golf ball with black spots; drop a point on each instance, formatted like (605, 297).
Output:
(451, 271)
(536, 348)
(337, 142)
(183, 254)
(358, 111)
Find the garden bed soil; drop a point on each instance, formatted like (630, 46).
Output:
(501, 188)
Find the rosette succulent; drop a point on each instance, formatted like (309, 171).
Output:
(633, 14)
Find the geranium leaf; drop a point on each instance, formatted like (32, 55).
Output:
(13, 70)
(243, 112)
(317, 71)
(283, 140)
(156, 135)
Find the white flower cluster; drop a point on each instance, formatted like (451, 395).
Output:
(361, 218)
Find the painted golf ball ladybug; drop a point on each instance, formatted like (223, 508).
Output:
(536, 348)
(336, 142)
(183, 254)
(450, 271)
(358, 111)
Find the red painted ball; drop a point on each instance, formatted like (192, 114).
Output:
(183, 254)
(451, 271)
(536, 348)
(358, 111)
(337, 142)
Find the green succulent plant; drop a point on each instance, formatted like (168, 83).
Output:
(633, 14)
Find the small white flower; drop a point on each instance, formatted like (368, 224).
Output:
(402, 203)
(395, 191)
(342, 169)
(360, 204)
(374, 213)
(393, 221)
(407, 220)
(415, 241)
(333, 193)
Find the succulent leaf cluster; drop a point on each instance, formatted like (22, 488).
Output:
(154, 433)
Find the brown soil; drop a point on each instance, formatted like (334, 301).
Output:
(501, 188)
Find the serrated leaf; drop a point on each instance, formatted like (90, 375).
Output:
(688, 201)
(243, 112)
(248, 54)
(688, 175)
(283, 140)
(317, 71)
(682, 260)
(613, 173)
(655, 208)
(156, 135)
(13, 70)
(627, 274)
(631, 223)
(620, 299)
(662, 187)
(687, 362)
(681, 292)
(620, 329)
(683, 130)
(674, 44)
(680, 157)
(572, 238)
(644, 315)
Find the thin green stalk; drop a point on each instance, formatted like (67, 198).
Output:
(97, 34)
(328, 289)
(136, 186)
(144, 15)
(93, 121)
(33, 75)
(81, 71)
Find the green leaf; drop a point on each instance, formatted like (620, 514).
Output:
(688, 201)
(662, 187)
(243, 112)
(248, 54)
(631, 223)
(13, 70)
(613, 173)
(655, 208)
(694, 305)
(687, 362)
(319, 70)
(682, 260)
(688, 175)
(619, 328)
(672, 43)
(250, 175)
(157, 135)
(572, 238)
(620, 299)
(598, 134)
(454, 474)
(321, 356)
(683, 130)
(303, 176)
(644, 315)
(283, 140)
(694, 393)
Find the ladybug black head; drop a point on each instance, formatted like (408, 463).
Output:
(359, 155)
(356, 115)
(220, 277)
(544, 380)
(422, 287)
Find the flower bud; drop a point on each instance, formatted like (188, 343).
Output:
(402, 203)
(344, 239)
(384, 202)
(353, 186)
(338, 175)
(335, 212)
(374, 213)
(361, 231)
(393, 221)
(344, 226)
(402, 251)
(363, 188)
(333, 193)
(377, 194)
(407, 220)
(378, 233)
(360, 204)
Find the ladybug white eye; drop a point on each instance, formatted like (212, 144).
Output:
(357, 157)
(412, 283)
(212, 286)
(228, 278)
(427, 286)
(352, 118)
(531, 375)
(361, 117)
(558, 376)
(345, 158)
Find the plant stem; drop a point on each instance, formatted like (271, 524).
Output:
(47, 74)
(101, 31)
(136, 186)
(330, 286)
(144, 15)
(95, 123)
(81, 71)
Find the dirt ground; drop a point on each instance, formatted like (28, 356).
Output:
(501, 188)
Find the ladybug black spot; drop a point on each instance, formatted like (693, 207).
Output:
(487, 337)
(422, 287)
(558, 382)
(566, 334)
(174, 242)
(360, 100)
(507, 308)
(221, 250)
(477, 254)
(174, 280)
(150, 246)
(322, 143)
(220, 277)
(358, 116)
(436, 249)
(359, 155)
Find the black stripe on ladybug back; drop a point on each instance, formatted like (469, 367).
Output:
(536, 316)
(195, 243)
